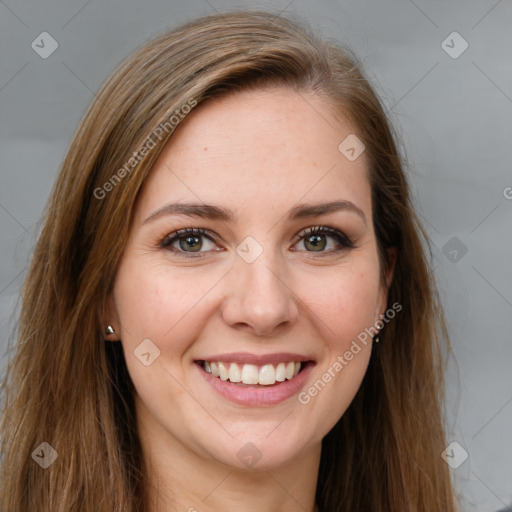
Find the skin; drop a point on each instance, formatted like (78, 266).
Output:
(258, 153)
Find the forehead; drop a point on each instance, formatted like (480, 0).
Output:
(262, 147)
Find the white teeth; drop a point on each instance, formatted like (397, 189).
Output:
(215, 369)
(265, 375)
(281, 372)
(235, 375)
(223, 371)
(249, 374)
(290, 370)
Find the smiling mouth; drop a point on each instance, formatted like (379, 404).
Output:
(251, 375)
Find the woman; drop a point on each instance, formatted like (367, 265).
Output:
(229, 305)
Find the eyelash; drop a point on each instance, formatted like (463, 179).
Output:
(338, 235)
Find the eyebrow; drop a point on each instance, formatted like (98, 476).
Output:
(209, 211)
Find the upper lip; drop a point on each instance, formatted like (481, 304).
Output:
(258, 360)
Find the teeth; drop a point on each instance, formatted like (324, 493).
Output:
(215, 369)
(290, 370)
(223, 371)
(281, 372)
(235, 375)
(249, 374)
(265, 375)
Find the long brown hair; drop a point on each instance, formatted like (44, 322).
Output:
(68, 387)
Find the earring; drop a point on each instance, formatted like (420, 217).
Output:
(109, 330)
(376, 338)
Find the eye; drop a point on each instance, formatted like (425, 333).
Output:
(189, 240)
(315, 239)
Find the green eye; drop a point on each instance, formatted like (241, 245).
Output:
(314, 239)
(187, 242)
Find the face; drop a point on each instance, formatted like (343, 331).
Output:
(262, 284)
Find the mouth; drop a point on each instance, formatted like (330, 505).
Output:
(256, 380)
(253, 375)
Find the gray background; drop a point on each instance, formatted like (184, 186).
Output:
(455, 116)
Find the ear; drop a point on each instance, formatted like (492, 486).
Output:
(110, 318)
(388, 279)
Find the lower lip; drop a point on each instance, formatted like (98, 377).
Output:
(260, 396)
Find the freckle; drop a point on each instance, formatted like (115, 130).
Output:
(205, 149)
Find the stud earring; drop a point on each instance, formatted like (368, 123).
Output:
(376, 338)
(109, 330)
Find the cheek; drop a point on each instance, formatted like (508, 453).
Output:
(344, 304)
(161, 306)
(346, 300)
(154, 303)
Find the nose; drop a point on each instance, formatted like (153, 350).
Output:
(258, 298)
